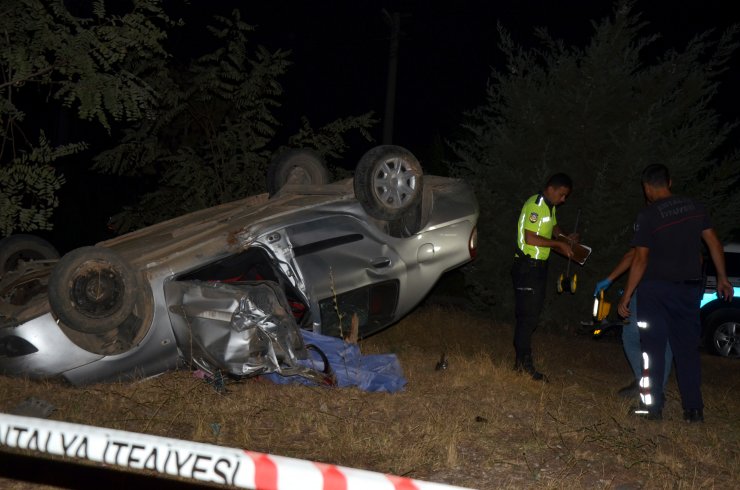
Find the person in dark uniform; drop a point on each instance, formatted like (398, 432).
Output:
(631, 332)
(667, 267)
(536, 228)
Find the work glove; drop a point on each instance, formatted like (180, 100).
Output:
(602, 285)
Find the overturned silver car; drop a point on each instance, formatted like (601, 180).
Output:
(226, 288)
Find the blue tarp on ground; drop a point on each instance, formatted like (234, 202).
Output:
(374, 372)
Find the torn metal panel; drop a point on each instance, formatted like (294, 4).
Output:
(244, 329)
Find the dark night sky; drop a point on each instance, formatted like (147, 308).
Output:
(340, 52)
(446, 51)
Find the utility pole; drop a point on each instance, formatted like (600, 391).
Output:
(394, 22)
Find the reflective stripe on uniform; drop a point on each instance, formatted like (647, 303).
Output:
(536, 216)
(645, 396)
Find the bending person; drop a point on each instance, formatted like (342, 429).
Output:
(631, 333)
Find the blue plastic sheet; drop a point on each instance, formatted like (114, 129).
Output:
(374, 372)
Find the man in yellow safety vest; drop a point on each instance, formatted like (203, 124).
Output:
(536, 228)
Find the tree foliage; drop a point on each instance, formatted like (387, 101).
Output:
(600, 113)
(94, 65)
(197, 132)
(30, 184)
(214, 131)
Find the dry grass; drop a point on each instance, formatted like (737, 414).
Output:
(475, 424)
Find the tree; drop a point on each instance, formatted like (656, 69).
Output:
(601, 114)
(196, 135)
(93, 65)
(213, 133)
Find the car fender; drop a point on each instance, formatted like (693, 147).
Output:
(44, 335)
(718, 304)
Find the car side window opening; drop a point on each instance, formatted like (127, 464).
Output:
(374, 306)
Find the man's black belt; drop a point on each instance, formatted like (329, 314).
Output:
(521, 257)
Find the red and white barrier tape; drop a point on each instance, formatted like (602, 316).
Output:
(194, 460)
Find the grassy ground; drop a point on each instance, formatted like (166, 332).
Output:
(476, 424)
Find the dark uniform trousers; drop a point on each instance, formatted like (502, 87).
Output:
(670, 311)
(530, 280)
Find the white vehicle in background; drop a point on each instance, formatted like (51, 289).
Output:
(720, 319)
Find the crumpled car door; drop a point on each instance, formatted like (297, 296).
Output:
(242, 329)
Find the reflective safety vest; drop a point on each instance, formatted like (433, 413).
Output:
(537, 216)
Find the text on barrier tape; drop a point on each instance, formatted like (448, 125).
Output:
(193, 460)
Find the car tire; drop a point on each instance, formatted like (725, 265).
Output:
(388, 182)
(15, 248)
(296, 167)
(93, 290)
(722, 333)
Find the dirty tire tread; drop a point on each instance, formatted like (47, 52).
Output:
(67, 282)
(26, 247)
(281, 166)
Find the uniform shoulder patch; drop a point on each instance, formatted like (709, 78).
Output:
(533, 217)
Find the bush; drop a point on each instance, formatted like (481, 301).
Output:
(600, 113)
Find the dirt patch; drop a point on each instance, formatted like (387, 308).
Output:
(475, 424)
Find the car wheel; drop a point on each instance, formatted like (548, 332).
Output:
(388, 182)
(296, 167)
(723, 333)
(15, 248)
(92, 290)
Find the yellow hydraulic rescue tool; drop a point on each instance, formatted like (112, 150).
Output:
(601, 311)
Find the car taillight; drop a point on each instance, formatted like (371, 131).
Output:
(473, 243)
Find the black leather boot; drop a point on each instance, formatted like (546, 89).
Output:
(524, 364)
(693, 415)
(630, 391)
